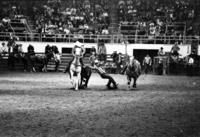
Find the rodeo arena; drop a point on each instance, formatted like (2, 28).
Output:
(99, 68)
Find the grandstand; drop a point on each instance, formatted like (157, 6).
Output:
(141, 18)
(145, 25)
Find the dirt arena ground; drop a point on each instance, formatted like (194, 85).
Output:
(42, 105)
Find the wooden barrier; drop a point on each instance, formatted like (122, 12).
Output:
(161, 63)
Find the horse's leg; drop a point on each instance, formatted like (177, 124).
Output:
(78, 80)
(89, 73)
(128, 81)
(33, 64)
(12, 63)
(45, 65)
(87, 80)
(81, 82)
(134, 83)
(25, 63)
(71, 77)
(57, 65)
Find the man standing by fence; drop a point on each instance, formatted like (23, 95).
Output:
(102, 52)
(3, 49)
(147, 62)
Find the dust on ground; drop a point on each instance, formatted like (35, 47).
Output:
(43, 105)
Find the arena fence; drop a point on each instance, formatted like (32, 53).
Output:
(85, 38)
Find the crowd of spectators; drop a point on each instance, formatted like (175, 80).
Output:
(10, 11)
(152, 16)
(72, 17)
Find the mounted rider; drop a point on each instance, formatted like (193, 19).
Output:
(77, 50)
(11, 42)
(31, 57)
(56, 56)
(31, 51)
(175, 49)
(48, 51)
(76, 65)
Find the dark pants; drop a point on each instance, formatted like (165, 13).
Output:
(110, 80)
(190, 70)
(118, 67)
(147, 68)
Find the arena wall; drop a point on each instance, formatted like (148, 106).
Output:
(40, 46)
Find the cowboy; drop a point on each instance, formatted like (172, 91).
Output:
(31, 57)
(119, 62)
(77, 48)
(191, 63)
(161, 52)
(3, 49)
(175, 49)
(11, 43)
(92, 58)
(114, 56)
(147, 62)
(56, 56)
(102, 52)
(104, 75)
(31, 51)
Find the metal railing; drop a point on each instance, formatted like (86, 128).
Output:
(132, 39)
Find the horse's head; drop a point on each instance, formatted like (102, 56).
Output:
(78, 51)
(131, 60)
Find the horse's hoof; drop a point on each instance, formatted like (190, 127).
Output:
(134, 86)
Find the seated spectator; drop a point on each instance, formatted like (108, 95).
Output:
(105, 31)
(6, 21)
(66, 31)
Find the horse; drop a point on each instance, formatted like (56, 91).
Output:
(132, 71)
(75, 67)
(174, 61)
(46, 58)
(16, 56)
(56, 57)
(75, 72)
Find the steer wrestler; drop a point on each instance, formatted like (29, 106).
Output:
(104, 75)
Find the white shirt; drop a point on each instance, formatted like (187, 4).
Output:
(3, 49)
(191, 61)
